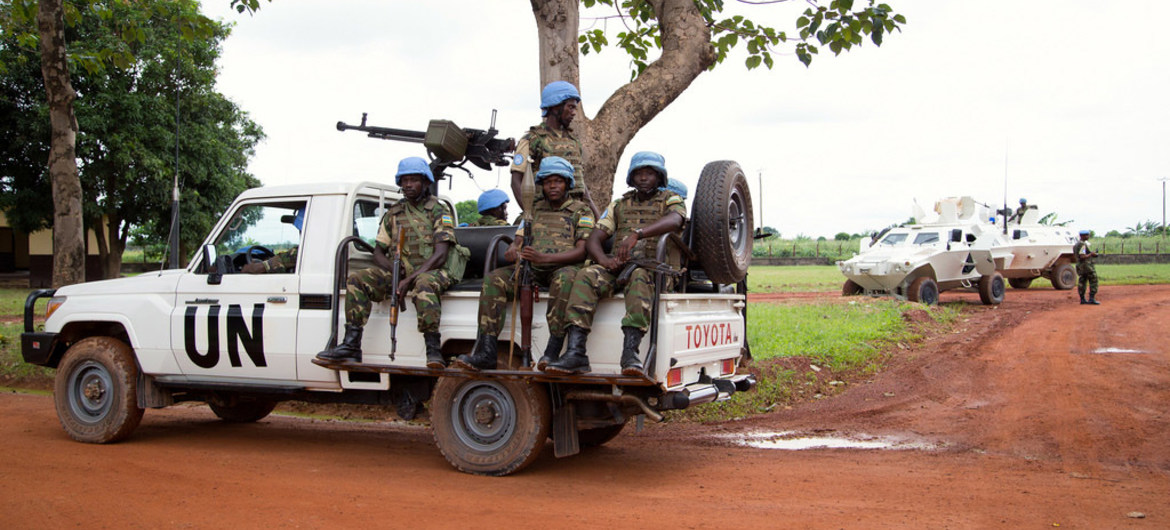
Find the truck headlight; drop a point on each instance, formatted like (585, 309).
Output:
(54, 303)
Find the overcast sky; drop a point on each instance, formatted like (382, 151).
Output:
(1072, 94)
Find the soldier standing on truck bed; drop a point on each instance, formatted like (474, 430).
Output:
(493, 208)
(559, 101)
(633, 220)
(430, 232)
(561, 225)
(1086, 271)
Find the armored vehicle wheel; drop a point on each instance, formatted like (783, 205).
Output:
(234, 409)
(489, 426)
(95, 392)
(598, 436)
(991, 289)
(1020, 283)
(722, 222)
(851, 288)
(924, 290)
(1063, 276)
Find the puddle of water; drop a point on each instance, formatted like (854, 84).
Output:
(794, 441)
(1117, 350)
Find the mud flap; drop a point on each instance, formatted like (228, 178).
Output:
(565, 442)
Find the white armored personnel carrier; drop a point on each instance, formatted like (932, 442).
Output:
(959, 246)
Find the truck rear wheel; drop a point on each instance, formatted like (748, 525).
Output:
(1020, 283)
(95, 392)
(923, 290)
(991, 289)
(234, 409)
(1063, 276)
(722, 222)
(598, 436)
(490, 426)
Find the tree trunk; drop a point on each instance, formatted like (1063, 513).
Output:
(112, 261)
(68, 229)
(686, 53)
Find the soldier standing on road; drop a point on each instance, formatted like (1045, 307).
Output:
(493, 209)
(430, 232)
(559, 101)
(634, 219)
(1086, 271)
(560, 227)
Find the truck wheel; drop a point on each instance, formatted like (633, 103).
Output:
(95, 392)
(1020, 283)
(1063, 276)
(923, 290)
(490, 426)
(991, 289)
(598, 436)
(851, 288)
(722, 222)
(235, 409)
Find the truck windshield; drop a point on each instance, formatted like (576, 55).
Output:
(926, 238)
(893, 239)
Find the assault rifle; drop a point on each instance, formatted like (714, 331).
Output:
(447, 144)
(395, 300)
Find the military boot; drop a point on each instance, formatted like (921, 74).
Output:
(552, 351)
(350, 348)
(434, 351)
(1082, 293)
(1093, 300)
(575, 361)
(483, 357)
(631, 365)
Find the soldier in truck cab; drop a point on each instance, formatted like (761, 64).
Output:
(634, 220)
(560, 227)
(283, 261)
(430, 232)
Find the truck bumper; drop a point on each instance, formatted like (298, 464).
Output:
(37, 347)
(707, 392)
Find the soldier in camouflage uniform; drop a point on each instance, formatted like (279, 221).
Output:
(430, 232)
(635, 219)
(284, 261)
(493, 209)
(559, 101)
(1086, 271)
(560, 227)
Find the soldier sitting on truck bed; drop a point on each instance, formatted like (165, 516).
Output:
(430, 232)
(493, 208)
(559, 230)
(634, 220)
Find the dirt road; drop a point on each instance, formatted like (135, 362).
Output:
(1038, 413)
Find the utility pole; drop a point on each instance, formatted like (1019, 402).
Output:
(1164, 179)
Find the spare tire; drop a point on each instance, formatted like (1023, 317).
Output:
(722, 222)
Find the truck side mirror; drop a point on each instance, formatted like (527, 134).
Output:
(957, 235)
(1016, 234)
(214, 277)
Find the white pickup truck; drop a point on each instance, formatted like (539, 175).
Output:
(243, 342)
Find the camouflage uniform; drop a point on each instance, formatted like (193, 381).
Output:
(596, 282)
(541, 141)
(284, 261)
(1086, 271)
(489, 220)
(426, 225)
(553, 231)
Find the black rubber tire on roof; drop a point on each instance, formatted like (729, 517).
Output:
(598, 436)
(722, 222)
(95, 391)
(923, 290)
(1020, 283)
(236, 409)
(1063, 276)
(490, 426)
(991, 289)
(850, 288)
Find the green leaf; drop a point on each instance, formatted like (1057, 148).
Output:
(802, 22)
(753, 62)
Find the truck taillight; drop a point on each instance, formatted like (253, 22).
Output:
(727, 367)
(674, 378)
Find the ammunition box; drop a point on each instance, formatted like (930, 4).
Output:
(445, 140)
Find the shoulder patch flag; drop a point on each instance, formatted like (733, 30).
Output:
(518, 160)
(448, 221)
(674, 199)
(586, 221)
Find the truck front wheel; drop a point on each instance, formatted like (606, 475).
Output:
(487, 426)
(923, 289)
(991, 289)
(95, 393)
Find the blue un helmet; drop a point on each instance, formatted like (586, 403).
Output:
(555, 93)
(299, 219)
(491, 199)
(555, 165)
(413, 165)
(1023, 200)
(677, 187)
(648, 159)
(1085, 232)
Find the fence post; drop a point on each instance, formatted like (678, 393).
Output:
(794, 249)
(817, 252)
(1139, 247)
